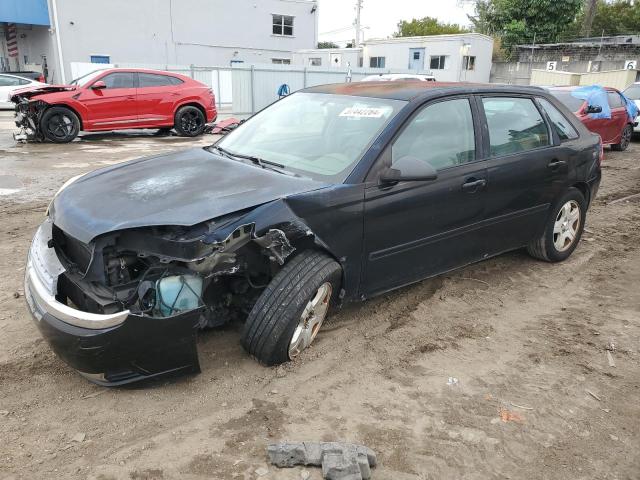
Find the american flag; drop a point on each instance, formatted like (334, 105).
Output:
(12, 39)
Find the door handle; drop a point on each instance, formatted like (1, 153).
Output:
(472, 185)
(131, 97)
(555, 164)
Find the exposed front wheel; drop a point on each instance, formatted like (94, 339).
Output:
(290, 312)
(564, 229)
(190, 121)
(60, 125)
(625, 139)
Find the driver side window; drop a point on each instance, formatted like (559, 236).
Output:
(441, 134)
(119, 80)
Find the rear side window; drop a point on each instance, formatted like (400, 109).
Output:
(155, 80)
(428, 135)
(614, 100)
(9, 82)
(633, 92)
(572, 103)
(119, 80)
(560, 124)
(515, 125)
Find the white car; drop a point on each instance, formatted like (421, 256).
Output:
(10, 83)
(392, 77)
(633, 93)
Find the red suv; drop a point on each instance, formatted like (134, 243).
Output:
(115, 99)
(615, 131)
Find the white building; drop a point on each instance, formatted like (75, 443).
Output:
(328, 57)
(450, 58)
(157, 32)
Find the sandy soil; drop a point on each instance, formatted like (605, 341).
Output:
(527, 341)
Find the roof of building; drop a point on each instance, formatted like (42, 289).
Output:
(428, 38)
(410, 90)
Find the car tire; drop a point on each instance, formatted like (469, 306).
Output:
(625, 139)
(563, 230)
(288, 315)
(59, 125)
(190, 121)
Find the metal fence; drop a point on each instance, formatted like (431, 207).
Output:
(245, 89)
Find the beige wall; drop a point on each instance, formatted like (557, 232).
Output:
(554, 79)
(619, 79)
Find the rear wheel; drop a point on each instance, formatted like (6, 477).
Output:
(288, 315)
(625, 140)
(60, 125)
(190, 121)
(564, 229)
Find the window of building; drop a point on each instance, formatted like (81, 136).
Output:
(119, 80)
(468, 62)
(153, 80)
(416, 55)
(283, 25)
(100, 59)
(438, 62)
(560, 124)
(427, 138)
(281, 61)
(515, 125)
(315, 62)
(377, 62)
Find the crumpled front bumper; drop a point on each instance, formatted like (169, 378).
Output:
(109, 349)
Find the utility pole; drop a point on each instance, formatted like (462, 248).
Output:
(357, 22)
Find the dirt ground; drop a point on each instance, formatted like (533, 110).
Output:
(499, 370)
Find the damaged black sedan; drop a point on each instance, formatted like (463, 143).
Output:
(331, 195)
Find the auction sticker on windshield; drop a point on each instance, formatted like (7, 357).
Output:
(363, 112)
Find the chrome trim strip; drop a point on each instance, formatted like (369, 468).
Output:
(41, 298)
(41, 282)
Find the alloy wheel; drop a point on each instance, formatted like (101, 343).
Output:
(60, 126)
(311, 320)
(567, 226)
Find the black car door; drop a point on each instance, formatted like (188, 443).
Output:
(526, 171)
(415, 229)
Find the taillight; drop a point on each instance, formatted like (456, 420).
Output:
(41, 79)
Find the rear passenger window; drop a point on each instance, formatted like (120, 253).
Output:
(154, 80)
(515, 125)
(559, 122)
(614, 100)
(441, 134)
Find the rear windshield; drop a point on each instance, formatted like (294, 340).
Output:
(633, 92)
(572, 103)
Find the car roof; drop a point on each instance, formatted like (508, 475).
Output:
(571, 88)
(408, 91)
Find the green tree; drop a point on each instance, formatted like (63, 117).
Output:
(328, 45)
(419, 27)
(519, 21)
(618, 17)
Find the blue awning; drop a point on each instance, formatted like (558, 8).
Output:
(29, 12)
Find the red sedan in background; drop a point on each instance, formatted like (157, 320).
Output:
(615, 131)
(115, 99)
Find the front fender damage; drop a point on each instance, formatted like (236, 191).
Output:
(176, 282)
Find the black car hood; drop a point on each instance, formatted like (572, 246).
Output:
(183, 188)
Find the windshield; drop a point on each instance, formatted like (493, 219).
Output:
(572, 103)
(85, 79)
(633, 92)
(316, 135)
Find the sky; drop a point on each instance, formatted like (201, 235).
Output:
(382, 16)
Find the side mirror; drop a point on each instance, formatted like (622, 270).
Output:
(99, 85)
(594, 109)
(409, 168)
